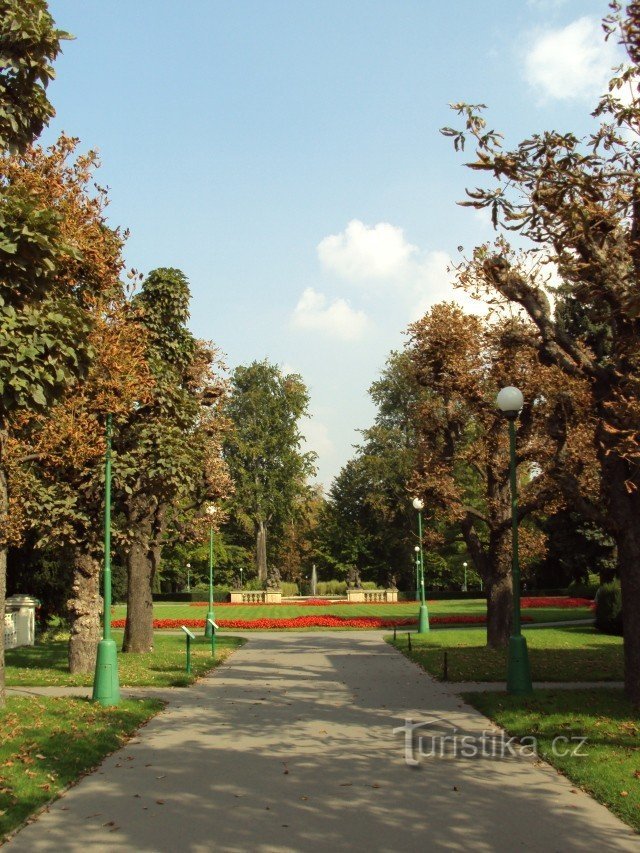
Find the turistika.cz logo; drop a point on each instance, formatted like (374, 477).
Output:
(436, 738)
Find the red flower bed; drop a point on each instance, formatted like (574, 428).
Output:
(326, 621)
(551, 601)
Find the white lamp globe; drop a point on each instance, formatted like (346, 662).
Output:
(416, 548)
(418, 504)
(510, 399)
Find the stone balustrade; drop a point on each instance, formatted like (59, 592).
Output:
(371, 596)
(256, 596)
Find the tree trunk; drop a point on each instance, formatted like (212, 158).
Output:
(261, 551)
(4, 513)
(624, 510)
(84, 608)
(138, 632)
(499, 591)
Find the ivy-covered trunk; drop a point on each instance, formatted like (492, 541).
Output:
(261, 551)
(4, 513)
(138, 632)
(84, 608)
(624, 510)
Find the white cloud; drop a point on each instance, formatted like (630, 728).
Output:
(571, 62)
(336, 318)
(362, 252)
(380, 253)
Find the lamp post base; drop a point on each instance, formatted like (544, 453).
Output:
(423, 620)
(208, 630)
(518, 670)
(106, 686)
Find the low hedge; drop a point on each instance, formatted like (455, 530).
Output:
(609, 609)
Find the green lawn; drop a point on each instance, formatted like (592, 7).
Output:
(48, 743)
(610, 772)
(46, 664)
(570, 653)
(402, 610)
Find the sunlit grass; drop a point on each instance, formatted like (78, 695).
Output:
(401, 610)
(570, 653)
(46, 663)
(609, 770)
(48, 743)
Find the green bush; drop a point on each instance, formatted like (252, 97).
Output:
(609, 608)
(289, 588)
(331, 587)
(580, 589)
(369, 585)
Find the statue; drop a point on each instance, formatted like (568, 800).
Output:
(274, 580)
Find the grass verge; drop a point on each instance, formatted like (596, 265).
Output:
(46, 664)
(568, 653)
(609, 770)
(48, 743)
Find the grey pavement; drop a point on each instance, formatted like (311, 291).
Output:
(290, 746)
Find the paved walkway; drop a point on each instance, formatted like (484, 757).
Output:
(290, 746)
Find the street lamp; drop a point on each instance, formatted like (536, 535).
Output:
(464, 585)
(208, 630)
(510, 402)
(423, 614)
(188, 577)
(106, 686)
(241, 570)
(417, 550)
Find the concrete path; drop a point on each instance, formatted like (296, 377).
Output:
(290, 746)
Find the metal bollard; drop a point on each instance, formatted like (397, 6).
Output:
(189, 636)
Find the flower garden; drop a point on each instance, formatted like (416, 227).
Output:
(341, 614)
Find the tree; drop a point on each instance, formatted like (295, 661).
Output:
(461, 362)
(29, 44)
(55, 456)
(577, 202)
(168, 449)
(267, 466)
(50, 276)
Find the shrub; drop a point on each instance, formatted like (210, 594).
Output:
(333, 587)
(609, 608)
(584, 589)
(369, 585)
(289, 588)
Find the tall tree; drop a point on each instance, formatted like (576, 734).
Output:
(55, 452)
(29, 44)
(168, 449)
(49, 279)
(461, 362)
(268, 468)
(577, 202)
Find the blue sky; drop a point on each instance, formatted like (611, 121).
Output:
(285, 155)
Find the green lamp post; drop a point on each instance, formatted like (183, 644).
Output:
(423, 613)
(188, 577)
(510, 402)
(208, 630)
(464, 585)
(417, 550)
(106, 686)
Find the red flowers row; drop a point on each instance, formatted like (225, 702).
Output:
(315, 622)
(557, 601)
